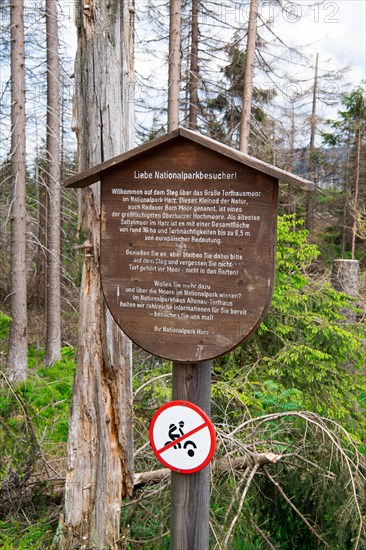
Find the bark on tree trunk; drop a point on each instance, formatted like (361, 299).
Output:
(17, 360)
(193, 76)
(310, 194)
(345, 278)
(174, 64)
(356, 190)
(248, 77)
(100, 446)
(53, 305)
(38, 297)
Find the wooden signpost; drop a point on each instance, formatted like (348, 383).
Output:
(188, 234)
(190, 441)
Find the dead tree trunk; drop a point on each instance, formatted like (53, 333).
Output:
(193, 71)
(38, 297)
(345, 278)
(53, 299)
(174, 64)
(310, 194)
(248, 77)
(100, 446)
(356, 190)
(17, 361)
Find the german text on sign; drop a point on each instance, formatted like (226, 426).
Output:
(188, 250)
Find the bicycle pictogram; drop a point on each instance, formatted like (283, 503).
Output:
(175, 432)
(182, 437)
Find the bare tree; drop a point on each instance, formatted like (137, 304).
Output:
(53, 298)
(18, 347)
(248, 77)
(100, 445)
(356, 194)
(174, 64)
(193, 81)
(309, 194)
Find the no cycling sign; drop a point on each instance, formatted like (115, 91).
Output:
(182, 437)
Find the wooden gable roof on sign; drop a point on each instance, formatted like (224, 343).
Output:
(94, 174)
(188, 239)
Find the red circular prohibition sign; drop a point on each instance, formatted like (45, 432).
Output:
(182, 437)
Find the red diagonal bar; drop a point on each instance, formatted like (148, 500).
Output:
(182, 437)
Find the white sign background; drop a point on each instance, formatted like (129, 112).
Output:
(188, 434)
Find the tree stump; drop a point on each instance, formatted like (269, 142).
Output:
(345, 278)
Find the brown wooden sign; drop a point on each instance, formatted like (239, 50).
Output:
(187, 248)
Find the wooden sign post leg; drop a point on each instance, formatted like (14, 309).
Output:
(190, 493)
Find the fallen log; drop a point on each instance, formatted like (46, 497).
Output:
(219, 466)
(54, 488)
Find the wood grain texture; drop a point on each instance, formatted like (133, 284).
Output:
(92, 175)
(190, 494)
(17, 359)
(100, 443)
(187, 249)
(53, 179)
(346, 278)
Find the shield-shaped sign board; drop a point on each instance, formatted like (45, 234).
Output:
(187, 248)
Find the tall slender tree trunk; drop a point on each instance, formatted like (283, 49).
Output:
(39, 277)
(248, 77)
(100, 445)
(310, 194)
(53, 303)
(193, 76)
(18, 349)
(347, 202)
(356, 190)
(174, 64)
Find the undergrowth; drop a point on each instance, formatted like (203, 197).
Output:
(33, 436)
(303, 358)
